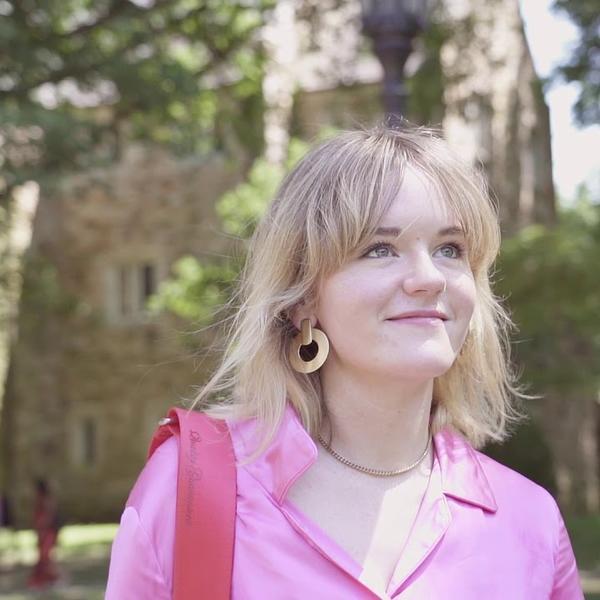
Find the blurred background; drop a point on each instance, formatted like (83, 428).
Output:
(140, 141)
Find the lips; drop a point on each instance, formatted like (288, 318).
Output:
(420, 314)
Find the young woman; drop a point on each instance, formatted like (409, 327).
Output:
(357, 472)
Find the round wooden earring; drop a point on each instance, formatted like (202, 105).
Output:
(305, 338)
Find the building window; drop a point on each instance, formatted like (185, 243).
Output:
(148, 282)
(128, 289)
(86, 441)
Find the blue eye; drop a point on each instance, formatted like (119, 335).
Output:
(453, 250)
(379, 250)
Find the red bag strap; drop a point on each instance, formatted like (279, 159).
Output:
(206, 504)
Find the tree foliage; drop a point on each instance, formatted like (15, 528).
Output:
(550, 279)
(426, 85)
(583, 66)
(198, 289)
(76, 76)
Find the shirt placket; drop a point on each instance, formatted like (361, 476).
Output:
(430, 525)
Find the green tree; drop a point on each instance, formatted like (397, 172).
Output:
(76, 76)
(549, 277)
(584, 62)
(426, 85)
(200, 290)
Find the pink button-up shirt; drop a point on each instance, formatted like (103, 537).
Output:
(482, 532)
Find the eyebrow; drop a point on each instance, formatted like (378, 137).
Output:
(396, 231)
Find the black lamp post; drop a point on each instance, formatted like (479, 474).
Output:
(393, 25)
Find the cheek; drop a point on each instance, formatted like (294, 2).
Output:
(469, 295)
(348, 301)
(336, 304)
(464, 297)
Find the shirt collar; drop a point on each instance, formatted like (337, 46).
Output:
(293, 451)
(462, 475)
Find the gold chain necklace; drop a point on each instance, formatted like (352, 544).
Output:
(369, 471)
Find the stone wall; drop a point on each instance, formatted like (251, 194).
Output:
(91, 372)
(495, 108)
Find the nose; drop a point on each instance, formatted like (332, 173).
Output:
(424, 277)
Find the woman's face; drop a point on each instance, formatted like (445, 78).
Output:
(401, 306)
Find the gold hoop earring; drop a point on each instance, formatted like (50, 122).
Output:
(307, 336)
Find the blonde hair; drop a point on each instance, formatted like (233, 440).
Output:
(328, 206)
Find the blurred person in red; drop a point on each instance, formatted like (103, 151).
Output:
(46, 525)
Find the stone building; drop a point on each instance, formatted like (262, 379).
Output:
(495, 109)
(91, 372)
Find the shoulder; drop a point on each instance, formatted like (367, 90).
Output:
(522, 502)
(155, 487)
(471, 472)
(154, 498)
(508, 484)
(141, 563)
(533, 513)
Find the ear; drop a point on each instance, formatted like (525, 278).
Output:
(300, 312)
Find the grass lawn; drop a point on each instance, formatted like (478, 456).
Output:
(585, 537)
(82, 553)
(19, 547)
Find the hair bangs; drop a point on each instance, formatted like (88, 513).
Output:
(352, 190)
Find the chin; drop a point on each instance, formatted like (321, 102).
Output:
(423, 367)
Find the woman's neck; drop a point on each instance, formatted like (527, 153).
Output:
(378, 424)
